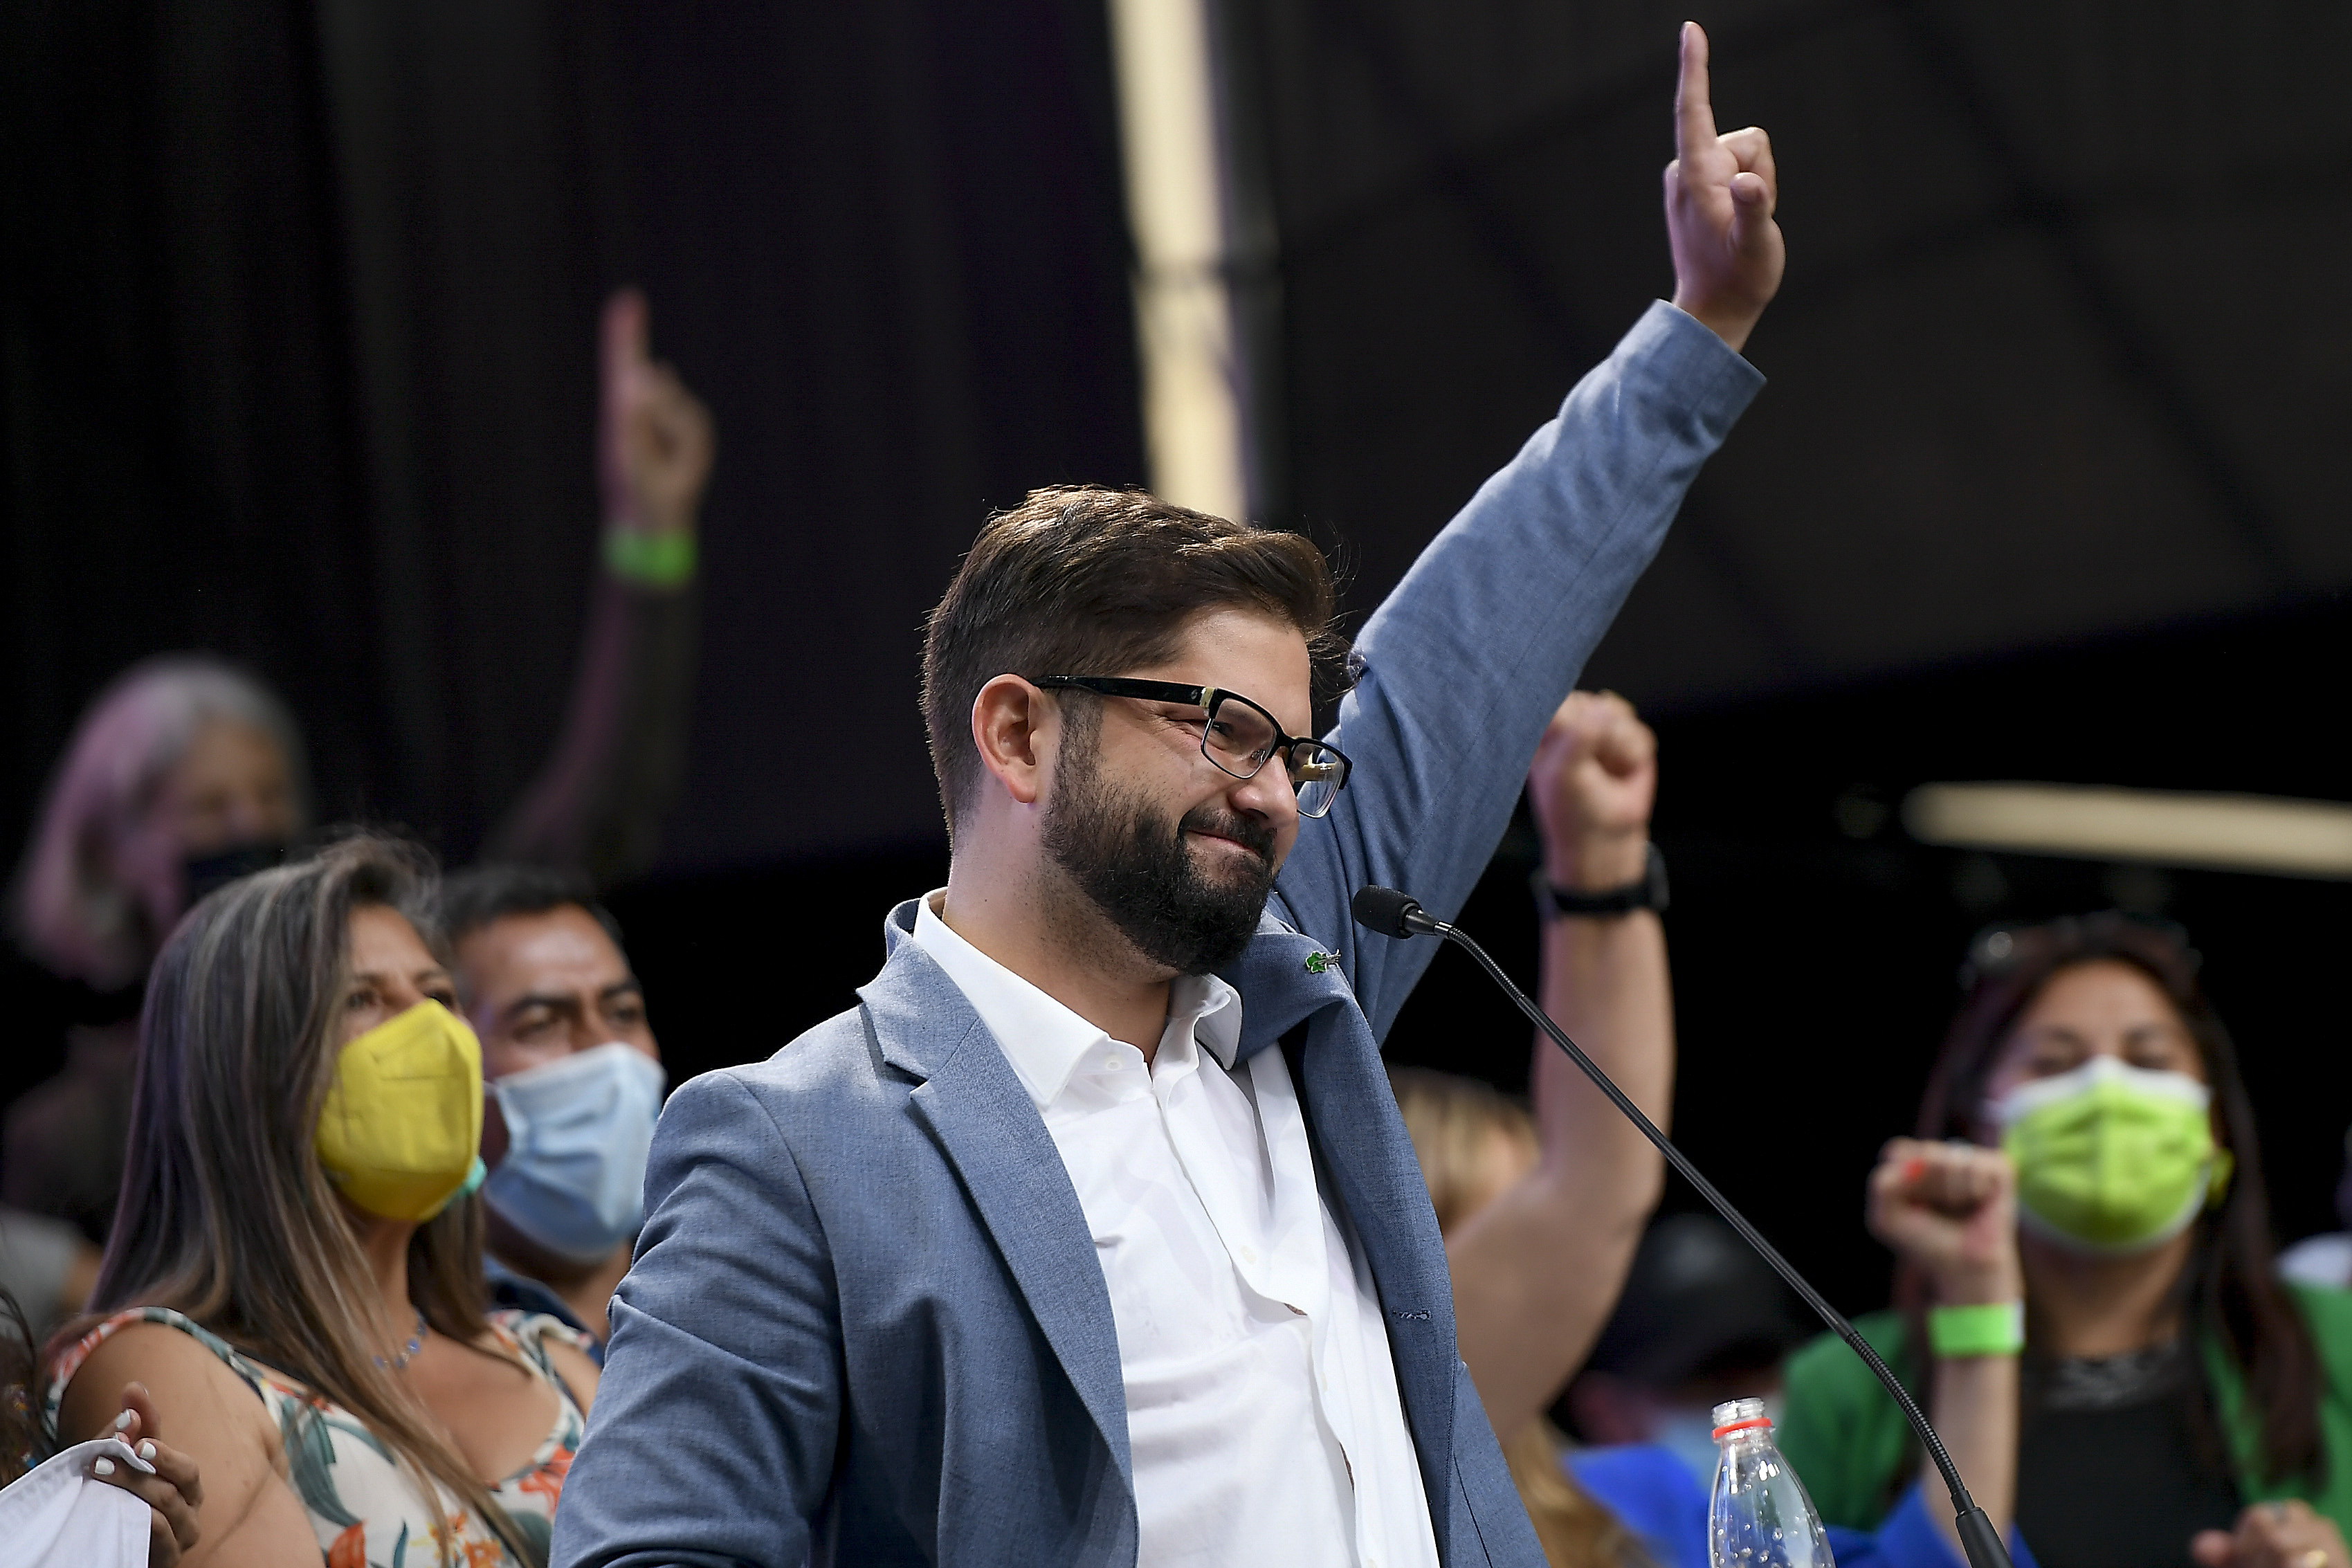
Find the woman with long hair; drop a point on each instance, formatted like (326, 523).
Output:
(2085, 1291)
(296, 1273)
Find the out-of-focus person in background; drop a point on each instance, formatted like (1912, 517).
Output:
(574, 1078)
(2326, 1259)
(1701, 1320)
(182, 772)
(186, 772)
(1541, 1215)
(2087, 1301)
(297, 1274)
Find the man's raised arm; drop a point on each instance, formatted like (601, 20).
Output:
(1459, 670)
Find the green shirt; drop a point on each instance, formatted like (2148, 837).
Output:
(1853, 1448)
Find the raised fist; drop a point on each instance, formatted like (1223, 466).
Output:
(1951, 1209)
(1595, 780)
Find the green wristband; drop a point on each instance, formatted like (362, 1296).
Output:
(1996, 1328)
(649, 559)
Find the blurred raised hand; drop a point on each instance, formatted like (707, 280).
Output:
(1721, 192)
(1951, 1209)
(1595, 780)
(2279, 1534)
(654, 437)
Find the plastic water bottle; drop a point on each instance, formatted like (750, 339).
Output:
(1759, 1516)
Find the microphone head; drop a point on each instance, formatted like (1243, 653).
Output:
(1388, 911)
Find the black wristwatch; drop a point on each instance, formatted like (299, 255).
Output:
(1649, 893)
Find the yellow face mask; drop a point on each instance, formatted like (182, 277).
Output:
(401, 1130)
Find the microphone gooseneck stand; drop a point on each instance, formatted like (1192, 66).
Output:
(1395, 914)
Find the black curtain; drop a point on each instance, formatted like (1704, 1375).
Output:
(297, 315)
(2028, 384)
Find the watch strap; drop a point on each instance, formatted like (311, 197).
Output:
(1649, 893)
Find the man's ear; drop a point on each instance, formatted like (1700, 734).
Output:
(1014, 728)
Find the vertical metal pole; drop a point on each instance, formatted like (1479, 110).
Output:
(1193, 407)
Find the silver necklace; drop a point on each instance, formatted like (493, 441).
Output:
(2116, 1382)
(408, 1353)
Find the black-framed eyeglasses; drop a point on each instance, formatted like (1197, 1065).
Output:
(1236, 735)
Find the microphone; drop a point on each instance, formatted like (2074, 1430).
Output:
(1393, 913)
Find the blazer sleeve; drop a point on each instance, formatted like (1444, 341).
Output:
(1460, 669)
(712, 1441)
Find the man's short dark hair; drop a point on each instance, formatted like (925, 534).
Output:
(474, 898)
(1079, 580)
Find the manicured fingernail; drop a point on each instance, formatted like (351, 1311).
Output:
(1914, 1169)
(147, 1450)
(123, 1422)
(102, 1467)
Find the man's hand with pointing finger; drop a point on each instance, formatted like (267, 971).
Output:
(1720, 196)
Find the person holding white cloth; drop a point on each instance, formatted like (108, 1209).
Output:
(126, 1500)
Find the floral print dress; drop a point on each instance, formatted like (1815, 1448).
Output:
(366, 1509)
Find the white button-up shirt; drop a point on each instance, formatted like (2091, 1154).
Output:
(1262, 1409)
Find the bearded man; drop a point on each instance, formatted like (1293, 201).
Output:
(1093, 1235)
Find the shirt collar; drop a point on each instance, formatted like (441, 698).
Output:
(1043, 1040)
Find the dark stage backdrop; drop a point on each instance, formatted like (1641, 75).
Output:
(297, 305)
(2031, 380)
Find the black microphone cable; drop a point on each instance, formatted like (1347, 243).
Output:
(1395, 914)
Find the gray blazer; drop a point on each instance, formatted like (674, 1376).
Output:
(866, 1324)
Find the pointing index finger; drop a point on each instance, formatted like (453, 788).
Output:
(624, 332)
(1694, 113)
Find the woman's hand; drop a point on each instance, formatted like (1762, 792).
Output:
(173, 1494)
(1594, 780)
(1951, 1209)
(2274, 1535)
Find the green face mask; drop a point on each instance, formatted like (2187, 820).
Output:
(2110, 1158)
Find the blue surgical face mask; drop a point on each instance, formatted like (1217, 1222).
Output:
(578, 1129)
(1689, 1435)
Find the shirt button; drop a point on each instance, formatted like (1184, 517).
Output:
(1111, 1062)
(1249, 1254)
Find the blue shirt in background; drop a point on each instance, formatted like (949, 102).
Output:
(1654, 1493)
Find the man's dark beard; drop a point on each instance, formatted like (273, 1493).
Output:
(1135, 867)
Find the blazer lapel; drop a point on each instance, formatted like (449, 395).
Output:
(1285, 977)
(1000, 1151)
